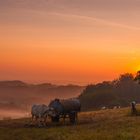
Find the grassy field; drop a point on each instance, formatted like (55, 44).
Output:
(99, 125)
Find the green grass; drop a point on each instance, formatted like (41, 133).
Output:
(99, 125)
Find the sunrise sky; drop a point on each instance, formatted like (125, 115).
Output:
(68, 41)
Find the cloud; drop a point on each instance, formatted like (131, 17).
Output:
(98, 20)
(115, 13)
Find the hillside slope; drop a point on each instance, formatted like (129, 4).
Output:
(120, 92)
(98, 125)
(17, 97)
(17, 94)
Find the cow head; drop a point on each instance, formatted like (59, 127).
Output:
(52, 112)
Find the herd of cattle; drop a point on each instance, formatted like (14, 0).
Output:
(55, 110)
(58, 109)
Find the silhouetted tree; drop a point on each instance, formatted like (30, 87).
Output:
(127, 77)
(137, 78)
(119, 92)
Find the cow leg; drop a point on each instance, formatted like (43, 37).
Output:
(33, 119)
(45, 121)
(72, 117)
(64, 118)
(39, 121)
(76, 116)
(36, 120)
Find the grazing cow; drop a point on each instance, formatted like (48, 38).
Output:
(115, 107)
(66, 108)
(133, 108)
(103, 108)
(40, 113)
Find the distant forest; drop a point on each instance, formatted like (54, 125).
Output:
(119, 92)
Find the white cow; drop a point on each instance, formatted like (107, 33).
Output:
(103, 108)
(40, 113)
(115, 107)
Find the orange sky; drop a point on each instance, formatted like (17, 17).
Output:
(68, 41)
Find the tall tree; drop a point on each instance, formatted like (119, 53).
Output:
(137, 78)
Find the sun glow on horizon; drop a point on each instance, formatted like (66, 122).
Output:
(68, 41)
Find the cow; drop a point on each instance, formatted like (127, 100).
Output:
(40, 113)
(65, 108)
(115, 107)
(103, 108)
(133, 108)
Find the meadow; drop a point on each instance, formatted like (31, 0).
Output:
(111, 124)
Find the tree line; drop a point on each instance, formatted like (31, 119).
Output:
(119, 92)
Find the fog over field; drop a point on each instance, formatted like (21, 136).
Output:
(17, 97)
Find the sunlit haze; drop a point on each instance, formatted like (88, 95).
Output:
(68, 41)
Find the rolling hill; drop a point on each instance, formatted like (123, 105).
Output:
(111, 124)
(18, 96)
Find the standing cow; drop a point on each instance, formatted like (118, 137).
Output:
(40, 112)
(133, 108)
(65, 108)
